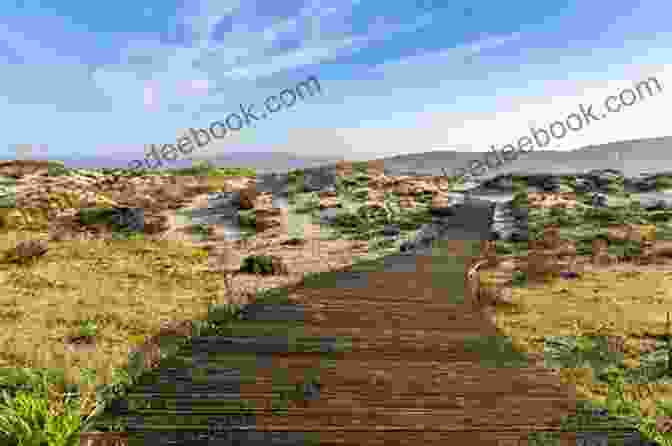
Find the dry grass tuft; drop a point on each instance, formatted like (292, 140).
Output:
(129, 288)
(620, 304)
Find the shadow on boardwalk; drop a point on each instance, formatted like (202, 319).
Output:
(388, 356)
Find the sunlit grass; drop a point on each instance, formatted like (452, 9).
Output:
(115, 291)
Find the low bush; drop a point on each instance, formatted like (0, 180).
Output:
(208, 169)
(247, 218)
(519, 278)
(29, 417)
(57, 170)
(306, 203)
(257, 264)
(663, 182)
(93, 216)
(520, 199)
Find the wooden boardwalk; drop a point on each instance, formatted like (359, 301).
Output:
(396, 363)
(410, 374)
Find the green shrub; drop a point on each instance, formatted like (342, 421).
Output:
(295, 182)
(95, 215)
(269, 296)
(626, 250)
(361, 194)
(7, 181)
(347, 220)
(602, 215)
(57, 169)
(87, 328)
(384, 244)
(614, 187)
(360, 167)
(257, 264)
(307, 204)
(25, 419)
(247, 218)
(663, 182)
(519, 278)
(223, 313)
(234, 172)
(504, 249)
(520, 185)
(562, 217)
(520, 199)
(35, 381)
(295, 175)
(207, 168)
(7, 196)
(200, 229)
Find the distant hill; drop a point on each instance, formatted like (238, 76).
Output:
(633, 157)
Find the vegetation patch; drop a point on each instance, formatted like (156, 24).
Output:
(259, 264)
(207, 169)
(663, 183)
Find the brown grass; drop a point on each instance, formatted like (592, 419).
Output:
(629, 304)
(127, 287)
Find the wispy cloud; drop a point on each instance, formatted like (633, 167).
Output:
(450, 55)
(397, 78)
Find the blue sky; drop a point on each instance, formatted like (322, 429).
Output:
(106, 79)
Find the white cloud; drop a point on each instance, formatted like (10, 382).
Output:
(448, 55)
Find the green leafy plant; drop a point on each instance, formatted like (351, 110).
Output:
(295, 181)
(663, 183)
(234, 172)
(360, 194)
(95, 215)
(579, 351)
(520, 185)
(616, 402)
(7, 196)
(392, 208)
(307, 203)
(223, 313)
(257, 264)
(208, 169)
(272, 296)
(28, 419)
(344, 187)
(384, 244)
(520, 199)
(200, 229)
(626, 250)
(57, 170)
(108, 395)
(504, 248)
(247, 218)
(87, 328)
(604, 216)
(519, 278)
